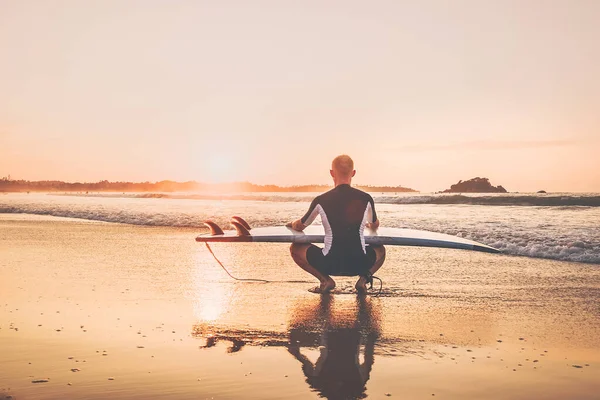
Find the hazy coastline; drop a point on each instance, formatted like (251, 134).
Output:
(170, 186)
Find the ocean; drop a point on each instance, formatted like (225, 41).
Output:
(558, 226)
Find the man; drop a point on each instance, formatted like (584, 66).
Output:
(345, 212)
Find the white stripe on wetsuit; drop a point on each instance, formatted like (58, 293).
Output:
(367, 217)
(328, 240)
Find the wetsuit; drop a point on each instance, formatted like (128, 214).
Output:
(344, 212)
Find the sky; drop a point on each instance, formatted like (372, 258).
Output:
(419, 93)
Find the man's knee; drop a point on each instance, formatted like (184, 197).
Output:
(299, 249)
(298, 253)
(379, 252)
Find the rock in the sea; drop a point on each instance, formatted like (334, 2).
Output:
(542, 191)
(475, 185)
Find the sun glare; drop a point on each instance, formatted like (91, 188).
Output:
(220, 168)
(209, 300)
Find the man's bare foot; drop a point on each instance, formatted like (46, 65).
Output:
(361, 285)
(325, 287)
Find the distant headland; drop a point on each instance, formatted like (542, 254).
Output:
(475, 185)
(7, 185)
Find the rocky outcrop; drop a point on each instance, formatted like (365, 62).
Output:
(475, 185)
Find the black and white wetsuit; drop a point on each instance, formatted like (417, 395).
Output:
(344, 213)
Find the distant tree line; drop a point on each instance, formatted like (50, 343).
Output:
(7, 185)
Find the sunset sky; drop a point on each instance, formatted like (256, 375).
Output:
(419, 93)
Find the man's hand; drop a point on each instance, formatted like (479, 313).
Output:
(296, 225)
(372, 225)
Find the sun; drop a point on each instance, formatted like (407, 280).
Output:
(220, 168)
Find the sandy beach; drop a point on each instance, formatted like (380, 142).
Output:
(94, 310)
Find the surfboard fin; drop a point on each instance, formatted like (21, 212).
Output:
(241, 221)
(240, 229)
(214, 228)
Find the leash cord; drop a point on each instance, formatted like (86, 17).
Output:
(380, 285)
(225, 269)
(266, 281)
(369, 277)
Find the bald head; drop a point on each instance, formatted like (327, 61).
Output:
(342, 169)
(342, 165)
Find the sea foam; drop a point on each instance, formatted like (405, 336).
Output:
(567, 233)
(511, 199)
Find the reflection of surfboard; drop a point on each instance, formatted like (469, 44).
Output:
(316, 234)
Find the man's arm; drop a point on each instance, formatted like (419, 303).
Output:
(307, 219)
(373, 225)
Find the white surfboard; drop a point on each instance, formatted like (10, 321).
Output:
(316, 234)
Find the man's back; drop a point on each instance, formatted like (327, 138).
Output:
(344, 212)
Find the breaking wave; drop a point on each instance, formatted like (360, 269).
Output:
(566, 232)
(539, 200)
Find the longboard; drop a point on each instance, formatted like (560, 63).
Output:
(242, 233)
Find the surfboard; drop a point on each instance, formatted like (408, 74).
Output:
(243, 233)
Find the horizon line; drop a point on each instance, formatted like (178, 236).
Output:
(231, 183)
(4, 179)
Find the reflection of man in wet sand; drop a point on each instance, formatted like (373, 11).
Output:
(211, 341)
(338, 372)
(345, 212)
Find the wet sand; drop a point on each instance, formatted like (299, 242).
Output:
(95, 310)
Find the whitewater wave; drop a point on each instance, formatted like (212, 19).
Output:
(538, 200)
(578, 242)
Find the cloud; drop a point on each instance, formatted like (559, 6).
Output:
(488, 145)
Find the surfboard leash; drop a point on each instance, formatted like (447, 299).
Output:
(225, 269)
(247, 280)
(369, 277)
(380, 285)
